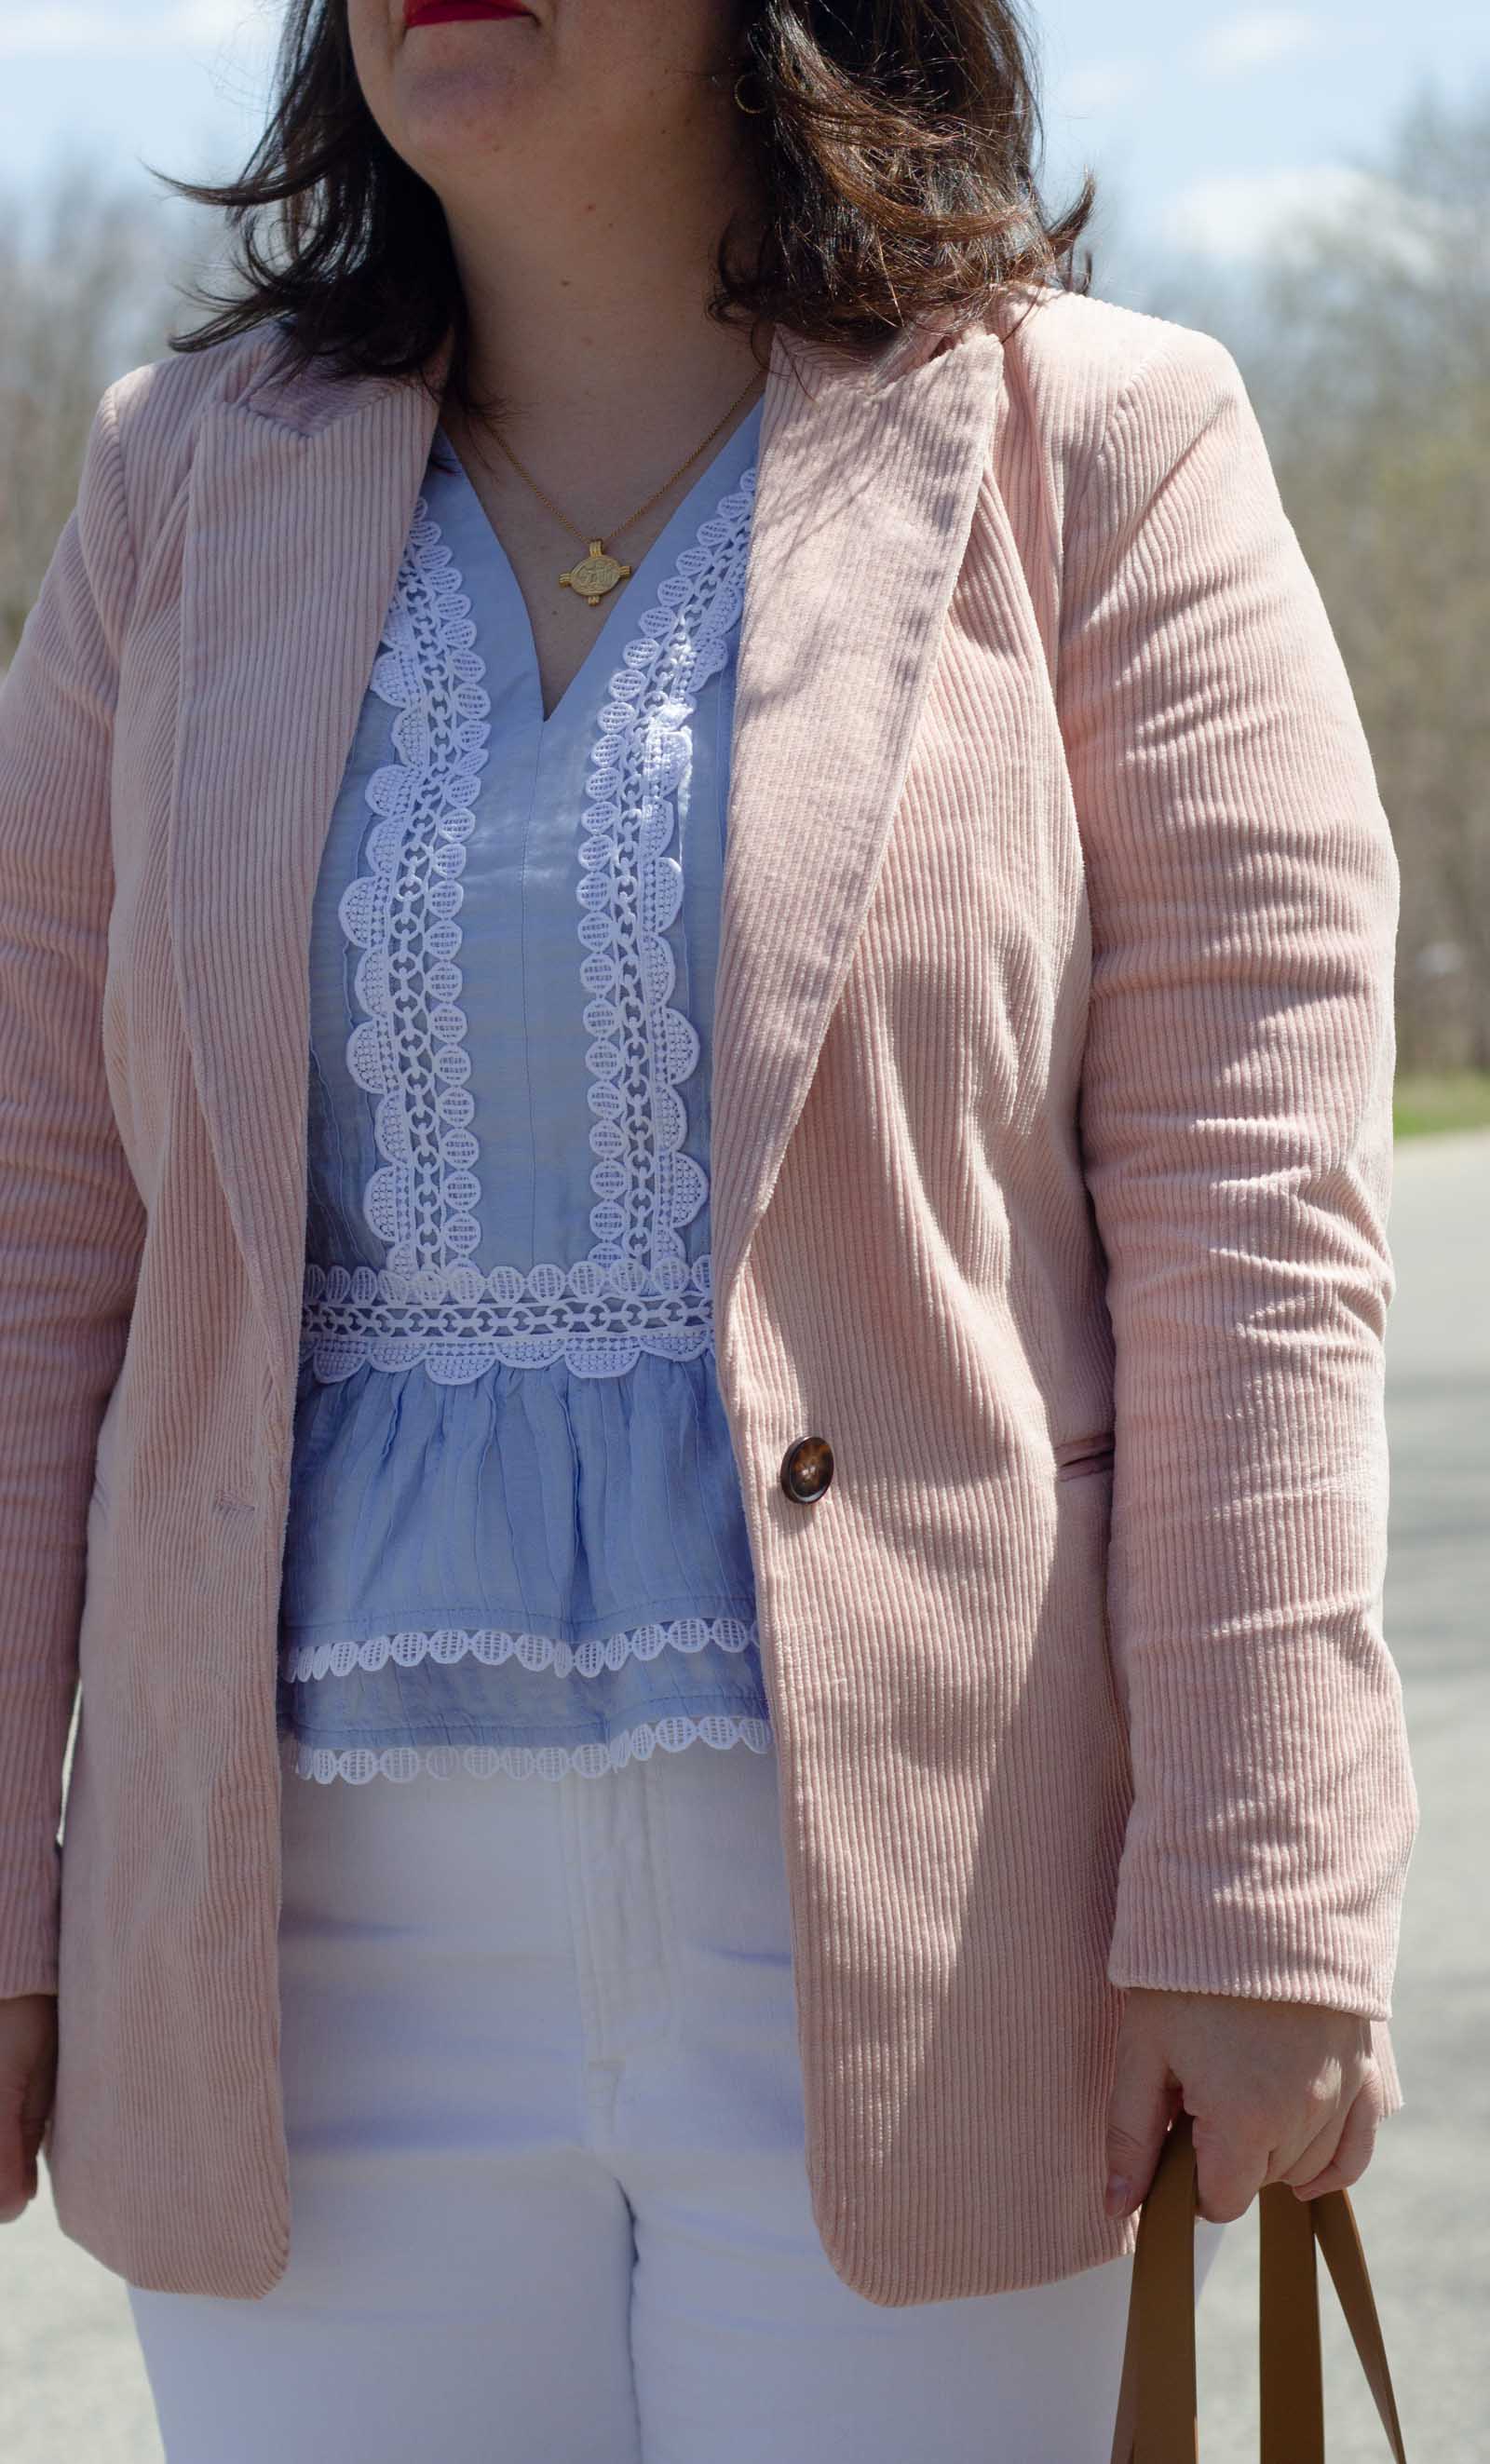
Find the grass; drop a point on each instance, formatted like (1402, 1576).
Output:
(1424, 1101)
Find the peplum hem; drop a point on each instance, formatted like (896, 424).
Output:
(601, 1518)
(493, 1646)
(358, 1764)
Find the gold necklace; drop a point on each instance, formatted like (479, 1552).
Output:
(598, 571)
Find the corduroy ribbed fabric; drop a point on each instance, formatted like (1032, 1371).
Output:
(1050, 1161)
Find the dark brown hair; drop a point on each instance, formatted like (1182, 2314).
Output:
(896, 143)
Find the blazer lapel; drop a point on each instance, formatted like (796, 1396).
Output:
(301, 498)
(866, 492)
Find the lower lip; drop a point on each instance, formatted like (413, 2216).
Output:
(452, 13)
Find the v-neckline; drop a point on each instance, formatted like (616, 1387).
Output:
(622, 617)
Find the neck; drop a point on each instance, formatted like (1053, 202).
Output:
(587, 300)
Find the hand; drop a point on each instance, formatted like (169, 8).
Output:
(1278, 2092)
(27, 2075)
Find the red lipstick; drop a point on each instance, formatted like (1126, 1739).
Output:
(448, 13)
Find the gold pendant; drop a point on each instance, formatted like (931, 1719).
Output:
(595, 574)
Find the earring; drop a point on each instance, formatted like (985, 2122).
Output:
(751, 111)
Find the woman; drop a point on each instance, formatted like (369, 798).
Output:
(729, 1630)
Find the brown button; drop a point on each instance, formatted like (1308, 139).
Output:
(806, 1469)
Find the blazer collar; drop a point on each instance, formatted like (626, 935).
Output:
(310, 399)
(302, 491)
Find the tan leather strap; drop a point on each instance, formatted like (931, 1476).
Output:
(1338, 2235)
(1288, 2348)
(1156, 2401)
(1156, 2411)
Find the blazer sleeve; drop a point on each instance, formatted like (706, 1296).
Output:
(1236, 1128)
(71, 1219)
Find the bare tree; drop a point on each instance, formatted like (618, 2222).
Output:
(84, 294)
(1365, 340)
(1382, 411)
(1365, 346)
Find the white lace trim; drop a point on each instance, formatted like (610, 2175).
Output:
(494, 1644)
(636, 1291)
(361, 1763)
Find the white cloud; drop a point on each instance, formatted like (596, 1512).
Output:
(1102, 85)
(1236, 219)
(1258, 39)
(61, 29)
(1245, 214)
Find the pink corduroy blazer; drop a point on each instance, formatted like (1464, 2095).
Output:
(1050, 1167)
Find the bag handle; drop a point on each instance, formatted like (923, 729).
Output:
(1157, 2414)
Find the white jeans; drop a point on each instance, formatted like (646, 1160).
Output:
(549, 2202)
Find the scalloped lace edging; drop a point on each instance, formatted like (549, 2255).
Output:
(358, 1764)
(492, 1645)
(637, 1292)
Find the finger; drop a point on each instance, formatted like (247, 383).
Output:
(15, 2189)
(1304, 2151)
(1144, 2097)
(38, 2094)
(1315, 2153)
(1354, 2148)
(1231, 2167)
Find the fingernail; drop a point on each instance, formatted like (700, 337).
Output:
(1119, 2196)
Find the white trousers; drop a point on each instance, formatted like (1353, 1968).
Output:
(549, 2202)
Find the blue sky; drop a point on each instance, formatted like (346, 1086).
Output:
(1211, 124)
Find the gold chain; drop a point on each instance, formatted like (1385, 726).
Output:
(599, 572)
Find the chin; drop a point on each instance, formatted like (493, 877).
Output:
(459, 110)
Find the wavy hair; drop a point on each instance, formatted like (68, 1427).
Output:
(896, 143)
